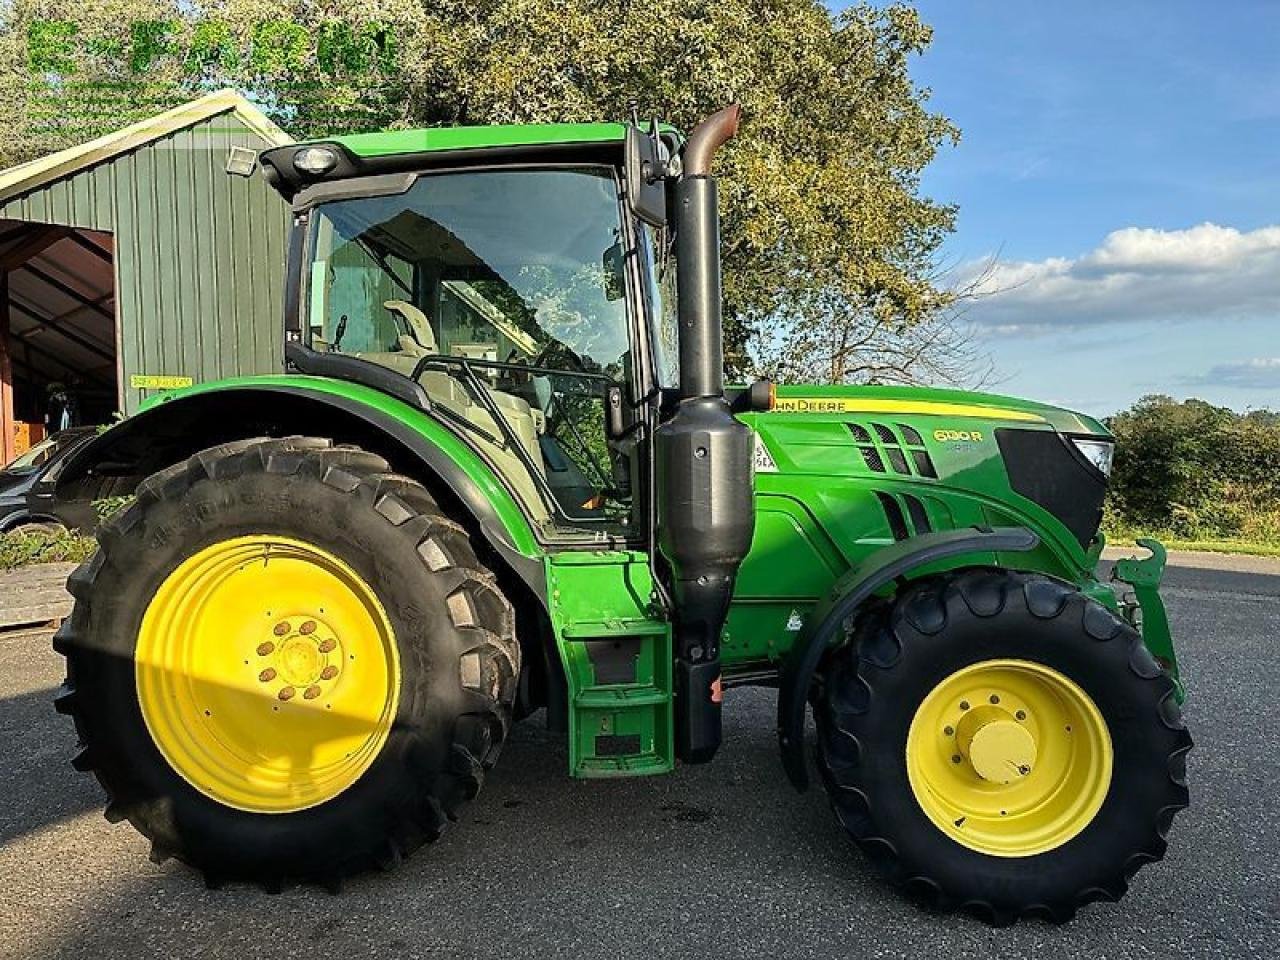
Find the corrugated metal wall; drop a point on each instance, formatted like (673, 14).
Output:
(199, 254)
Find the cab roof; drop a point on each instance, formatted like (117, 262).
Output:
(400, 151)
(431, 139)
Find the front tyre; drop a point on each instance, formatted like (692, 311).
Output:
(999, 742)
(286, 664)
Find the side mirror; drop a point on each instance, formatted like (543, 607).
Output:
(645, 171)
(614, 275)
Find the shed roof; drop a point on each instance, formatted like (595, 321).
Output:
(35, 173)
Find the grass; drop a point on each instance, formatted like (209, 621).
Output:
(1124, 537)
(24, 549)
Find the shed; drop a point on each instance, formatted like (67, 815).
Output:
(137, 261)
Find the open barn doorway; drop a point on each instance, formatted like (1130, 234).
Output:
(59, 361)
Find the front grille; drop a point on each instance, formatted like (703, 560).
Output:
(902, 452)
(1044, 467)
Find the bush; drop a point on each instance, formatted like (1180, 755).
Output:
(62, 546)
(57, 545)
(1196, 470)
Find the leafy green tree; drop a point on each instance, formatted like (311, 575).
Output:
(1197, 470)
(824, 223)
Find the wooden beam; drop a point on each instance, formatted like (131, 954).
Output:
(54, 324)
(67, 291)
(32, 245)
(7, 438)
(84, 242)
(93, 372)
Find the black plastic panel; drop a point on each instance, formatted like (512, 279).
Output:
(1045, 468)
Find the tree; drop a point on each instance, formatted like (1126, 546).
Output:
(824, 225)
(1197, 469)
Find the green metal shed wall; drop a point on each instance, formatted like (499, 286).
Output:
(199, 254)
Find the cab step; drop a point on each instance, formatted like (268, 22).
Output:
(619, 668)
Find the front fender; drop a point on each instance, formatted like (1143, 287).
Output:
(182, 423)
(848, 593)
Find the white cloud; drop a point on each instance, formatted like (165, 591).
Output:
(1260, 373)
(1206, 271)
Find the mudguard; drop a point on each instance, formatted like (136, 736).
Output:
(184, 422)
(825, 624)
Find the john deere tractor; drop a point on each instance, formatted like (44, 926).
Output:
(501, 472)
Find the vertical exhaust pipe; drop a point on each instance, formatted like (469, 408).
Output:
(706, 512)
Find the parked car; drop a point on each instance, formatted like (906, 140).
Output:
(20, 479)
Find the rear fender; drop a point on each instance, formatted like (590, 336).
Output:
(416, 444)
(824, 627)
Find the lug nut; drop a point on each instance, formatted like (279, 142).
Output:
(311, 692)
(948, 731)
(282, 628)
(266, 649)
(327, 645)
(329, 672)
(964, 704)
(955, 758)
(994, 698)
(286, 693)
(307, 628)
(1021, 714)
(267, 675)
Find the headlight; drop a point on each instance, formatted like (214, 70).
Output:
(1098, 452)
(315, 161)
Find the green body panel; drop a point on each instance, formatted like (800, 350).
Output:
(820, 512)
(475, 467)
(467, 138)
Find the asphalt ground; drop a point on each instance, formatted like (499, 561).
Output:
(721, 861)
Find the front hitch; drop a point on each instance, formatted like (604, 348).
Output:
(1144, 608)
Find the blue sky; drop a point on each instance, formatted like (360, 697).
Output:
(1122, 162)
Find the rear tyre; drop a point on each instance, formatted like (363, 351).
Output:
(40, 528)
(286, 664)
(999, 742)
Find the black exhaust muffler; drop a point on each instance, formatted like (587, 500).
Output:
(706, 513)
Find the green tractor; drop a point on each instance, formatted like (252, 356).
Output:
(502, 473)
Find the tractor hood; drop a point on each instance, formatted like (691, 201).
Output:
(930, 401)
(936, 459)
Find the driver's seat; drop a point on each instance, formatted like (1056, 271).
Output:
(423, 341)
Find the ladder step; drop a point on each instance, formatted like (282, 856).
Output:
(620, 697)
(592, 629)
(637, 766)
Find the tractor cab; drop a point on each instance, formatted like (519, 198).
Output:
(502, 286)
(497, 291)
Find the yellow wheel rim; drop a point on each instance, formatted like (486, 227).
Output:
(267, 673)
(1010, 758)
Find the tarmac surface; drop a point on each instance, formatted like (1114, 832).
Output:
(724, 860)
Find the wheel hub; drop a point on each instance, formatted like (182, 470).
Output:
(303, 653)
(997, 747)
(1009, 757)
(264, 710)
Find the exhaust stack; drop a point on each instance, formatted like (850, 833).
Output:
(706, 514)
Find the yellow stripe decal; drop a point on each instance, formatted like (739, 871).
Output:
(906, 407)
